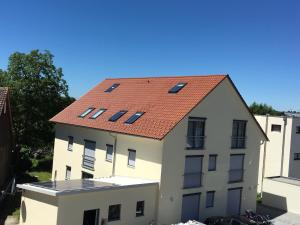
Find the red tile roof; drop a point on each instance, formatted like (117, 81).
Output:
(3, 97)
(150, 95)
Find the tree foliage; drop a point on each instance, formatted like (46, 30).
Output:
(37, 92)
(263, 109)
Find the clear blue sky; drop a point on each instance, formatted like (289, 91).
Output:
(257, 42)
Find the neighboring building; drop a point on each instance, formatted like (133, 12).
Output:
(5, 138)
(189, 146)
(279, 167)
(281, 155)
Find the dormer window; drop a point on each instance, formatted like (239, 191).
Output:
(134, 118)
(177, 88)
(86, 112)
(98, 113)
(117, 116)
(111, 88)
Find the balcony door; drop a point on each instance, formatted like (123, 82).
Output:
(193, 171)
(234, 198)
(190, 207)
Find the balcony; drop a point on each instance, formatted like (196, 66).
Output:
(192, 180)
(88, 162)
(236, 175)
(195, 142)
(238, 142)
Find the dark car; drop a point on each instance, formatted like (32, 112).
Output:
(233, 220)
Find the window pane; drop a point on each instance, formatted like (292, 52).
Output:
(193, 172)
(70, 143)
(98, 113)
(111, 88)
(212, 164)
(177, 87)
(210, 196)
(140, 208)
(86, 112)
(117, 116)
(114, 212)
(135, 117)
(109, 152)
(131, 157)
(276, 127)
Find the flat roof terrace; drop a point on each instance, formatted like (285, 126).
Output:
(67, 187)
(287, 180)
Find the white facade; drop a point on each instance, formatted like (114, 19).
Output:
(281, 155)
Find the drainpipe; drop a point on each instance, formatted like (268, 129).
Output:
(264, 157)
(283, 145)
(114, 154)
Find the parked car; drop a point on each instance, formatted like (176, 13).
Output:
(233, 220)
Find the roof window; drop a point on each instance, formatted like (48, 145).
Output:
(111, 88)
(134, 118)
(98, 113)
(86, 112)
(117, 116)
(177, 88)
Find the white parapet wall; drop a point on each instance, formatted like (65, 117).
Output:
(282, 193)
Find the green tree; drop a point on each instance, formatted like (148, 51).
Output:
(263, 109)
(38, 92)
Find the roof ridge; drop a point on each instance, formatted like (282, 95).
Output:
(171, 76)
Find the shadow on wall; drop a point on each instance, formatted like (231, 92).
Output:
(277, 203)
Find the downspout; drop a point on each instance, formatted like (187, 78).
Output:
(264, 157)
(283, 145)
(114, 155)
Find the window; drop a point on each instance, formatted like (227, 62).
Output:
(88, 158)
(140, 205)
(86, 112)
(114, 212)
(296, 156)
(91, 217)
(210, 198)
(193, 172)
(236, 172)
(68, 173)
(134, 118)
(117, 116)
(212, 163)
(177, 88)
(85, 175)
(196, 133)
(276, 128)
(111, 88)
(109, 152)
(98, 113)
(131, 157)
(297, 130)
(70, 143)
(238, 134)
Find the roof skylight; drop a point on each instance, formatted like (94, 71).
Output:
(111, 88)
(134, 117)
(177, 87)
(98, 113)
(117, 116)
(86, 112)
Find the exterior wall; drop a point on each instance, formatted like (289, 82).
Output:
(294, 166)
(148, 154)
(220, 108)
(273, 153)
(5, 145)
(281, 195)
(37, 209)
(75, 205)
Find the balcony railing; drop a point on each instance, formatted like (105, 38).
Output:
(238, 142)
(192, 180)
(88, 162)
(236, 175)
(195, 142)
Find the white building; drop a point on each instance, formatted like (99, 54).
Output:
(192, 138)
